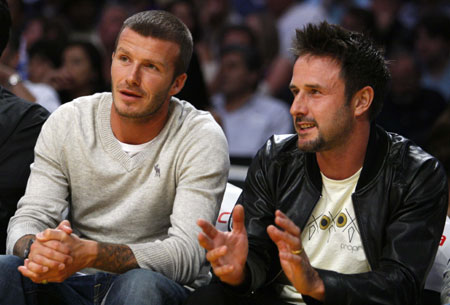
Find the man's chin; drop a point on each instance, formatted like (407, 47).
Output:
(309, 146)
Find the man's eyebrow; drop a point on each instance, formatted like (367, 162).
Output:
(310, 86)
(123, 50)
(313, 86)
(155, 62)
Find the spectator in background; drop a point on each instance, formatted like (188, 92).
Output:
(81, 72)
(213, 16)
(82, 16)
(359, 20)
(389, 31)
(264, 28)
(44, 58)
(433, 47)
(233, 34)
(108, 28)
(289, 14)
(20, 124)
(195, 91)
(247, 117)
(409, 108)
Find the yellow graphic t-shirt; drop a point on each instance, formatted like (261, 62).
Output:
(331, 237)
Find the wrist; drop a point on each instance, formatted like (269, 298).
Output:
(318, 289)
(91, 252)
(22, 245)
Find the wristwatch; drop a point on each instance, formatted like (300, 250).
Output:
(26, 252)
(14, 79)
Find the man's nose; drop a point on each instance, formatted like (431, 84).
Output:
(299, 106)
(134, 77)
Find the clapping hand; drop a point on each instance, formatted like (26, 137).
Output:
(226, 251)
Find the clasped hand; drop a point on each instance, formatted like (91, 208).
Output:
(52, 256)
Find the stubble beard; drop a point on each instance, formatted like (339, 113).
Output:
(321, 143)
(157, 101)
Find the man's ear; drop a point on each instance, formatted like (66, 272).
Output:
(178, 84)
(362, 101)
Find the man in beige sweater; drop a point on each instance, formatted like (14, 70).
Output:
(134, 169)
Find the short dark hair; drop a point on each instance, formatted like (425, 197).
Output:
(362, 64)
(165, 26)
(5, 25)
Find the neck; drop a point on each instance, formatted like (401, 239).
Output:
(234, 102)
(343, 161)
(141, 130)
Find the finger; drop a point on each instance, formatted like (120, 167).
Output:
(51, 259)
(278, 236)
(65, 226)
(57, 246)
(286, 224)
(29, 274)
(292, 258)
(238, 219)
(36, 268)
(50, 234)
(223, 270)
(205, 241)
(271, 231)
(214, 255)
(207, 228)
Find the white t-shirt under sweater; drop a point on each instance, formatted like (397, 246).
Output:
(331, 237)
(150, 201)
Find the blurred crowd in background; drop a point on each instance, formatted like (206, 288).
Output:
(241, 67)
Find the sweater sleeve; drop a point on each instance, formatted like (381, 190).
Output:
(201, 169)
(44, 201)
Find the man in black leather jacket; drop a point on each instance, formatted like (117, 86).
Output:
(343, 212)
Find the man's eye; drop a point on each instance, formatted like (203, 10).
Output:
(123, 58)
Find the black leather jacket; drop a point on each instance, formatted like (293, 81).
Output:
(400, 204)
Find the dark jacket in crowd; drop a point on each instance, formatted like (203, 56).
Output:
(20, 124)
(400, 204)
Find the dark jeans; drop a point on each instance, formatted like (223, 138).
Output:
(216, 294)
(137, 286)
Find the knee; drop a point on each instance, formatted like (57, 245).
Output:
(142, 286)
(9, 263)
(8, 269)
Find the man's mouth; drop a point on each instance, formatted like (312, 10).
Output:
(304, 126)
(130, 93)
